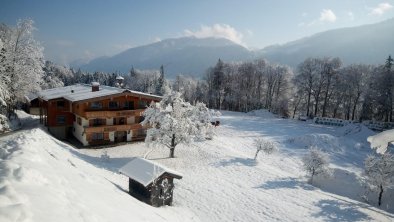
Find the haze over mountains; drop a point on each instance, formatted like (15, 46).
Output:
(370, 44)
(188, 55)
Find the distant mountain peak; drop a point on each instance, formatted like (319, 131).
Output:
(185, 55)
(370, 44)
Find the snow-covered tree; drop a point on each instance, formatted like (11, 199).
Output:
(23, 61)
(174, 121)
(202, 116)
(143, 80)
(381, 141)
(56, 76)
(4, 80)
(266, 146)
(379, 173)
(316, 162)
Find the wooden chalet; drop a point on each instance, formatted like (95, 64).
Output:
(31, 104)
(94, 114)
(150, 182)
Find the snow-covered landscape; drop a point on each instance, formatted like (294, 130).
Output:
(196, 111)
(44, 179)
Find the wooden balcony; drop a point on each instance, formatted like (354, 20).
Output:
(111, 128)
(112, 114)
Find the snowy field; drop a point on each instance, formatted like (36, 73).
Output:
(43, 179)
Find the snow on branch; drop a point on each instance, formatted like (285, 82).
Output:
(381, 140)
(316, 162)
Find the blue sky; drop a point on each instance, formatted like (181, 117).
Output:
(84, 29)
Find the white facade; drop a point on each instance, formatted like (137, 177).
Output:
(79, 131)
(129, 135)
(112, 136)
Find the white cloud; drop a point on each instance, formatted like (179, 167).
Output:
(327, 15)
(157, 39)
(217, 31)
(380, 9)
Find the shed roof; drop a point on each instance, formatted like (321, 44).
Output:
(81, 92)
(145, 171)
(31, 96)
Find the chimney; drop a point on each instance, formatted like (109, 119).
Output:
(95, 86)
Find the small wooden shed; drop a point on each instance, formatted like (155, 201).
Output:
(31, 104)
(150, 182)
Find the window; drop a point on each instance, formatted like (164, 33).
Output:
(97, 136)
(98, 122)
(96, 105)
(79, 121)
(113, 104)
(129, 105)
(60, 104)
(142, 104)
(60, 120)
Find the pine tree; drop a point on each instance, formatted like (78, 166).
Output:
(160, 82)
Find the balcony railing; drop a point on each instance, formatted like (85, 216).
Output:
(111, 114)
(111, 128)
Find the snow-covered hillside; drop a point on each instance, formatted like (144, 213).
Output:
(43, 179)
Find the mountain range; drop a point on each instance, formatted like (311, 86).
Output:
(370, 44)
(188, 55)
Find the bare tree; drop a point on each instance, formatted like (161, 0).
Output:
(268, 147)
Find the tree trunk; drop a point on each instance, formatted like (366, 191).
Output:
(355, 106)
(316, 105)
(380, 195)
(308, 103)
(326, 98)
(255, 156)
(294, 111)
(172, 149)
(313, 173)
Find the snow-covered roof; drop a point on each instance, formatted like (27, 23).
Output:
(80, 92)
(31, 96)
(119, 78)
(145, 171)
(95, 84)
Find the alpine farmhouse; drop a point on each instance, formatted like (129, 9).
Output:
(94, 114)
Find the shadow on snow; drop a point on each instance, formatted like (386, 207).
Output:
(334, 210)
(236, 162)
(289, 183)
